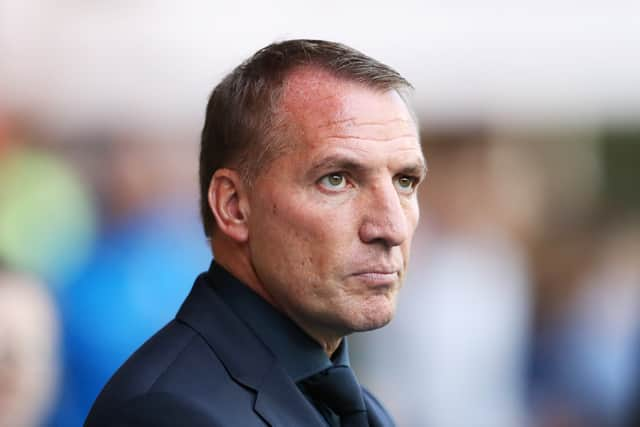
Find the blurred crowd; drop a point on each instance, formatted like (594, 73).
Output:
(521, 308)
(99, 241)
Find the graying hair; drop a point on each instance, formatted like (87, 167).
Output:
(242, 129)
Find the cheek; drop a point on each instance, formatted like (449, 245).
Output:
(314, 232)
(412, 213)
(286, 226)
(302, 213)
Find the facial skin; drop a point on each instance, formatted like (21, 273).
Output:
(325, 232)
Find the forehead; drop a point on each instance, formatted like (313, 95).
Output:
(327, 111)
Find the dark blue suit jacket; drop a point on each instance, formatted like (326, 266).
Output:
(207, 368)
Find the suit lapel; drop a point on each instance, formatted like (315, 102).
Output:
(249, 362)
(280, 403)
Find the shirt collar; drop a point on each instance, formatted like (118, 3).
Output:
(298, 353)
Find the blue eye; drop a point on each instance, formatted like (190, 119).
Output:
(334, 181)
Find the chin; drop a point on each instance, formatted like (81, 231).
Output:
(372, 324)
(374, 316)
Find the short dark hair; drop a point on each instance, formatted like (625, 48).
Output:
(239, 129)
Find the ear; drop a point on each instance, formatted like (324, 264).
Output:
(229, 204)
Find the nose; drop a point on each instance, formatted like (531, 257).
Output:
(385, 218)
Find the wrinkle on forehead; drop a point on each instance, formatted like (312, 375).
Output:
(370, 137)
(318, 101)
(354, 121)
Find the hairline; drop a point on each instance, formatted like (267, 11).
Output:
(276, 142)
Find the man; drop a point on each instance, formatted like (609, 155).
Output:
(309, 165)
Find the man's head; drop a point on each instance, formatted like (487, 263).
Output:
(242, 127)
(309, 163)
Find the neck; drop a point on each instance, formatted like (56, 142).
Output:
(331, 346)
(237, 261)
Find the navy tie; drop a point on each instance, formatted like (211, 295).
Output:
(338, 388)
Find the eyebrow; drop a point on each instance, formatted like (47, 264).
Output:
(343, 162)
(336, 162)
(416, 168)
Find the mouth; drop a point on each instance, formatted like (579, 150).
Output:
(378, 277)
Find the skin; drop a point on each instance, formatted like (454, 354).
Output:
(324, 234)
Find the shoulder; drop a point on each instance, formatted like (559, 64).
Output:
(157, 409)
(154, 359)
(168, 376)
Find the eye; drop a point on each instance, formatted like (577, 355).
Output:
(406, 184)
(333, 181)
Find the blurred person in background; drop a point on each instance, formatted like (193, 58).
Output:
(584, 348)
(46, 215)
(310, 161)
(139, 182)
(46, 229)
(29, 329)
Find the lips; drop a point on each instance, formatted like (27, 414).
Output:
(378, 276)
(377, 269)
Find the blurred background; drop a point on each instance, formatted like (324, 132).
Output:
(522, 303)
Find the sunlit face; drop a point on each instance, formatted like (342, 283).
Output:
(332, 218)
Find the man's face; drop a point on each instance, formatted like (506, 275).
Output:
(331, 219)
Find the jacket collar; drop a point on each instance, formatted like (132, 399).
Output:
(246, 358)
(297, 353)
